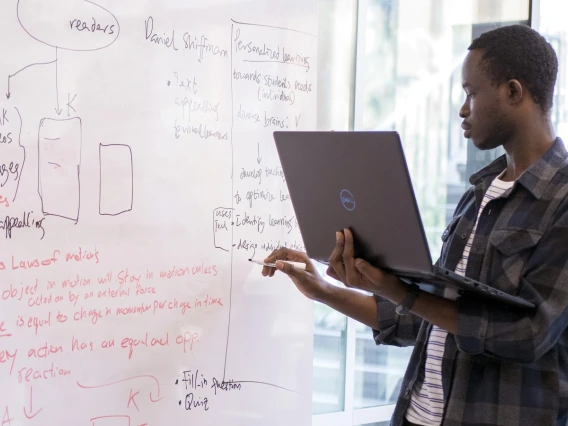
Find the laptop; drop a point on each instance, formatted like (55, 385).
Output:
(360, 181)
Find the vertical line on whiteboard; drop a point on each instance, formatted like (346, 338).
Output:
(232, 210)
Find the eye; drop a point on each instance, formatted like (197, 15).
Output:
(470, 95)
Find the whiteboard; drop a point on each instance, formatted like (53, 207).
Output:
(138, 174)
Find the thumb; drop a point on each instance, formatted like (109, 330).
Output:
(373, 274)
(288, 269)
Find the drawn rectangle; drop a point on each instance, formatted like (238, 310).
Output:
(222, 227)
(117, 179)
(59, 161)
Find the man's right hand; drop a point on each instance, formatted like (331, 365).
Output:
(352, 303)
(309, 282)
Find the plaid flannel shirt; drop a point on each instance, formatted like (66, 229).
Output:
(505, 366)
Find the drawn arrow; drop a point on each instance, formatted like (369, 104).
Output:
(126, 380)
(31, 416)
(258, 157)
(23, 69)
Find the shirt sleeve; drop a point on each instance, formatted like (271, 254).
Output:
(394, 329)
(516, 334)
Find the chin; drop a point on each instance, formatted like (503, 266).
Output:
(484, 144)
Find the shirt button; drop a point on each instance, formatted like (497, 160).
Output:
(464, 236)
(445, 234)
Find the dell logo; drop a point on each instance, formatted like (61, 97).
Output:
(347, 199)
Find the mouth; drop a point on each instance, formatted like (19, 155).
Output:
(467, 130)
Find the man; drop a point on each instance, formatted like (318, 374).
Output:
(475, 362)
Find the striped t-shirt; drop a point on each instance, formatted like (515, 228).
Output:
(427, 400)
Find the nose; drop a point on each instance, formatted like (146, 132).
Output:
(464, 110)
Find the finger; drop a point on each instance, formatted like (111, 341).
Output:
(348, 258)
(289, 269)
(280, 253)
(287, 254)
(336, 258)
(266, 270)
(331, 272)
(374, 275)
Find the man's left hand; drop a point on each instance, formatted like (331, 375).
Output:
(358, 273)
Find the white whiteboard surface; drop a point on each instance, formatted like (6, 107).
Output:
(138, 175)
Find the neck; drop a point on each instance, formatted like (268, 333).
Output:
(530, 143)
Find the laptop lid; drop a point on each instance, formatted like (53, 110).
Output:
(356, 180)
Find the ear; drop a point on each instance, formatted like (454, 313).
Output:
(515, 91)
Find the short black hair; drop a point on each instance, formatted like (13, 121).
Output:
(521, 53)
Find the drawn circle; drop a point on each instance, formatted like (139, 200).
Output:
(347, 200)
(71, 25)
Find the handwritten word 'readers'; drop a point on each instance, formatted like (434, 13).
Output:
(94, 27)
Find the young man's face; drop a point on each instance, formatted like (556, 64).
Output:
(484, 111)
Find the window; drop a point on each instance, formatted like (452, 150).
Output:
(403, 59)
(552, 27)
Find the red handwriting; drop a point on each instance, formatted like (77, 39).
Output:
(210, 301)
(33, 263)
(6, 419)
(7, 356)
(176, 304)
(127, 380)
(124, 277)
(93, 314)
(107, 279)
(95, 420)
(44, 351)
(4, 200)
(159, 305)
(131, 343)
(12, 292)
(131, 399)
(18, 293)
(78, 281)
(35, 322)
(81, 255)
(193, 270)
(28, 374)
(31, 416)
(187, 339)
(3, 330)
(107, 344)
(44, 300)
(113, 294)
(77, 345)
(137, 309)
(144, 290)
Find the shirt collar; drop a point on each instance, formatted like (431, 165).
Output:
(536, 178)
